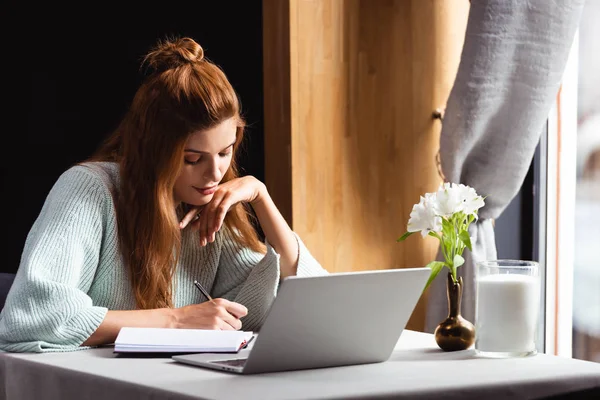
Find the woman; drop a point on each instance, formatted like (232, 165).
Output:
(123, 236)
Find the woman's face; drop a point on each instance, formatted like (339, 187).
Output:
(207, 156)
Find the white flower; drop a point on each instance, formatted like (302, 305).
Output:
(448, 200)
(423, 216)
(470, 200)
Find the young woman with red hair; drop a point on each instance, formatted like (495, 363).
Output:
(123, 236)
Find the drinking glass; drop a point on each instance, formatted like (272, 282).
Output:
(507, 308)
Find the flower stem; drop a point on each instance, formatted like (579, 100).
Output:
(444, 250)
(455, 243)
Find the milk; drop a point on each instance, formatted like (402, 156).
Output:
(507, 313)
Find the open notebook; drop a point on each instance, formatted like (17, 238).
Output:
(165, 340)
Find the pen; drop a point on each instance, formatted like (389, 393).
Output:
(204, 291)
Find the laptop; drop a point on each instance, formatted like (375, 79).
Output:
(339, 319)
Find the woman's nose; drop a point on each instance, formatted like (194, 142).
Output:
(213, 172)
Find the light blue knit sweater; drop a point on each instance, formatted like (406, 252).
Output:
(71, 272)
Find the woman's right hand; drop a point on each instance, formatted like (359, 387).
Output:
(217, 314)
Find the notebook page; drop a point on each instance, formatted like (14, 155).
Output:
(165, 339)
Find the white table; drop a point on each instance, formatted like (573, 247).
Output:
(417, 369)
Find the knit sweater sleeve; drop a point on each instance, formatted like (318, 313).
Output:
(47, 308)
(252, 278)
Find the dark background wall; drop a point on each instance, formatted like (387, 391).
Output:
(67, 75)
(69, 72)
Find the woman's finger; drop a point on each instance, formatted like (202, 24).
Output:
(220, 213)
(231, 320)
(235, 323)
(202, 226)
(215, 202)
(225, 326)
(236, 309)
(189, 217)
(195, 224)
(212, 208)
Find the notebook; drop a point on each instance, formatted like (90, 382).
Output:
(165, 340)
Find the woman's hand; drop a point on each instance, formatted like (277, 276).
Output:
(218, 314)
(210, 217)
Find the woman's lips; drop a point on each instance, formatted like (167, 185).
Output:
(207, 190)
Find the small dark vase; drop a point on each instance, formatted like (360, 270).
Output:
(455, 332)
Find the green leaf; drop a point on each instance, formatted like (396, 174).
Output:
(447, 227)
(436, 267)
(401, 238)
(458, 261)
(447, 234)
(466, 239)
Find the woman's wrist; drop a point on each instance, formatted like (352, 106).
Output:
(262, 194)
(170, 317)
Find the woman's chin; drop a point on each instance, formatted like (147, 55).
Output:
(199, 200)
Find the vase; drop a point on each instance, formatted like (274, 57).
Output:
(455, 332)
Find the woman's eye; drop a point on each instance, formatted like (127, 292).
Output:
(192, 161)
(225, 154)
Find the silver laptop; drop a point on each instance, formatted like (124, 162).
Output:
(327, 321)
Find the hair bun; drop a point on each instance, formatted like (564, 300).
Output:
(173, 53)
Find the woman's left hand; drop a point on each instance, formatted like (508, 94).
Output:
(210, 216)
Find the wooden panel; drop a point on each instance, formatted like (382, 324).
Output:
(365, 77)
(277, 118)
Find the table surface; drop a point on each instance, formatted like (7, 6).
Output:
(417, 369)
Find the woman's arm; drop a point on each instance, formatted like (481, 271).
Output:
(218, 314)
(246, 276)
(294, 259)
(48, 308)
(277, 231)
(109, 328)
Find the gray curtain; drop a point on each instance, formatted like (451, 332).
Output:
(512, 62)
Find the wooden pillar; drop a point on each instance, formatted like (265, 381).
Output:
(350, 142)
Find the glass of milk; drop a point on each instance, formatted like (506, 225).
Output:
(507, 308)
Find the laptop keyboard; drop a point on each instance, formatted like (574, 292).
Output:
(236, 362)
